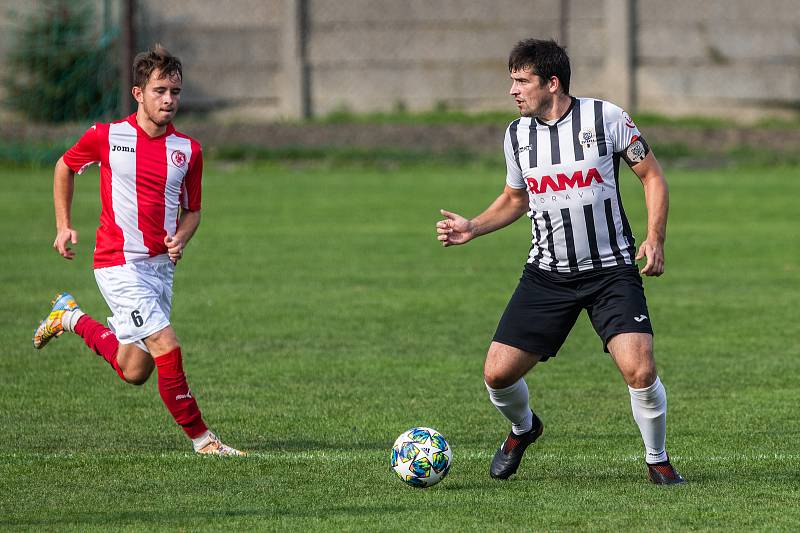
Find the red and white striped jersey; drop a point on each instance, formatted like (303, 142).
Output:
(144, 181)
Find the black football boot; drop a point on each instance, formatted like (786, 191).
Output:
(509, 455)
(664, 474)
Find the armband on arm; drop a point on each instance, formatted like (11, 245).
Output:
(636, 151)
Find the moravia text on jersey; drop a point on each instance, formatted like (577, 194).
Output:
(570, 170)
(143, 182)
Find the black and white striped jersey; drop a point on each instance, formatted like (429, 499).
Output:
(570, 169)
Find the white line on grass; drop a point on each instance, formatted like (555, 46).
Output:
(347, 455)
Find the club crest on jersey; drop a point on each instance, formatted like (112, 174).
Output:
(628, 120)
(562, 181)
(178, 158)
(586, 137)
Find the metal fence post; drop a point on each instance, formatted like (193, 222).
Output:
(127, 49)
(295, 92)
(563, 22)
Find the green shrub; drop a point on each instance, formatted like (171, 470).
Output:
(60, 68)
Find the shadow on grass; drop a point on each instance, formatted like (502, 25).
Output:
(162, 518)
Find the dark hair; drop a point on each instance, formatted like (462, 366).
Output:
(544, 58)
(157, 58)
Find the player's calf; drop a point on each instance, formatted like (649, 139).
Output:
(66, 315)
(177, 397)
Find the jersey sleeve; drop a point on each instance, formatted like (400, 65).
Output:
(621, 127)
(628, 141)
(513, 170)
(192, 183)
(84, 152)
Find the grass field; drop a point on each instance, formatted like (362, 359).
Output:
(320, 319)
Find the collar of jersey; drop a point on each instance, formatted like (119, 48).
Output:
(132, 120)
(566, 113)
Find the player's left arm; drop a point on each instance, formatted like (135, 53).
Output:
(656, 198)
(187, 226)
(189, 218)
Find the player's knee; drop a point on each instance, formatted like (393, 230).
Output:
(162, 342)
(497, 379)
(137, 376)
(496, 373)
(642, 377)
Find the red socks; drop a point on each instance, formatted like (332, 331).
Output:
(176, 395)
(100, 339)
(171, 380)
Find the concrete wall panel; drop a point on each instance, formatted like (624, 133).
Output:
(742, 83)
(371, 54)
(359, 12)
(204, 13)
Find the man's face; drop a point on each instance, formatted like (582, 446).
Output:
(531, 92)
(160, 97)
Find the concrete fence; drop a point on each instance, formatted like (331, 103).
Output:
(266, 59)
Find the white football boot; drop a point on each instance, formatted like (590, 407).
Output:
(211, 445)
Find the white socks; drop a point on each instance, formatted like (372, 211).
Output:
(514, 404)
(202, 440)
(649, 407)
(70, 318)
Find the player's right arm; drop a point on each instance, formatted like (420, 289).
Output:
(82, 154)
(63, 188)
(507, 208)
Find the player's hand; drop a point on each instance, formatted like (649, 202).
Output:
(454, 229)
(654, 251)
(174, 248)
(63, 238)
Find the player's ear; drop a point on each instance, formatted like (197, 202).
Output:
(137, 93)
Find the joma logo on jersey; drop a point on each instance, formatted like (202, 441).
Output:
(562, 181)
(115, 148)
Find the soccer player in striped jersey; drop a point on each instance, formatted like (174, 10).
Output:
(150, 191)
(563, 157)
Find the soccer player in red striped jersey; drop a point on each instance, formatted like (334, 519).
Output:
(150, 189)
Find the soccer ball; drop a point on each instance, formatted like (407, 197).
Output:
(421, 457)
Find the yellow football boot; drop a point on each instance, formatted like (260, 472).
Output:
(51, 326)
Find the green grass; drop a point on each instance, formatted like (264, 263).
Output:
(441, 114)
(320, 319)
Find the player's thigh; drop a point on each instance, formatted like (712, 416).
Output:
(539, 315)
(616, 303)
(633, 355)
(139, 296)
(505, 364)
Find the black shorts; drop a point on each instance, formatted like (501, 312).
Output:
(546, 305)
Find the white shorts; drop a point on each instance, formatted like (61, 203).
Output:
(139, 295)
